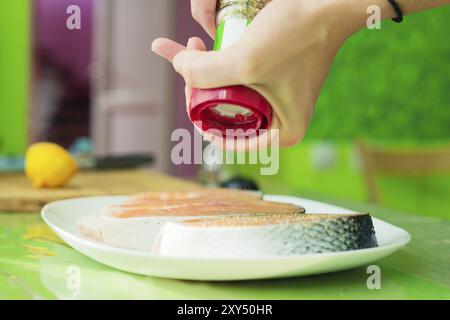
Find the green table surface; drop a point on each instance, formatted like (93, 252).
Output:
(36, 264)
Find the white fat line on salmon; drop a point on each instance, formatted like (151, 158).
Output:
(187, 310)
(193, 149)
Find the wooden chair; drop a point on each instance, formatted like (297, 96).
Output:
(403, 162)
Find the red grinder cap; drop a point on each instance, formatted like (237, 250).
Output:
(233, 107)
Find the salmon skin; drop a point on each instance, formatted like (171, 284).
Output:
(199, 207)
(274, 235)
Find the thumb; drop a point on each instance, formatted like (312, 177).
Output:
(207, 69)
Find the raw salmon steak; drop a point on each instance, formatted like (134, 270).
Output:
(136, 223)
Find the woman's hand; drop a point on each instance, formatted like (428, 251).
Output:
(284, 54)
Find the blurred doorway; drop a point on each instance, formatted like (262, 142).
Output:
(60, 108)
(132, 88)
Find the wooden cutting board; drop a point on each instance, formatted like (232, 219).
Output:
(18, 195)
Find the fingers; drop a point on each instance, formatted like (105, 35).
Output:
(207, 69)
(167, 48)
(201, 68)
(193, 44)
(204, 12)
(196, 43)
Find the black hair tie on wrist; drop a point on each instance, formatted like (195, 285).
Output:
(398, 11)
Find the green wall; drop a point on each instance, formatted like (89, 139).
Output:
(342, 179)
(392, 83)
(14, 74)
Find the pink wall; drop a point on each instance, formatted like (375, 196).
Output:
(72, 48)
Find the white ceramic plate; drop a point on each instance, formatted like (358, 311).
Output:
(61, 216)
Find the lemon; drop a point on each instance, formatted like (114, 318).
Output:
(48, 165)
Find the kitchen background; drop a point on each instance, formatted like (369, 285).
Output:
(381, 131)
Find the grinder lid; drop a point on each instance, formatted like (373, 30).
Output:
(229, 109)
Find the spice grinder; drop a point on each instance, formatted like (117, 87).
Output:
(234, 110)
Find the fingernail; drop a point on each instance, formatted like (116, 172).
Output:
(190, 43)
